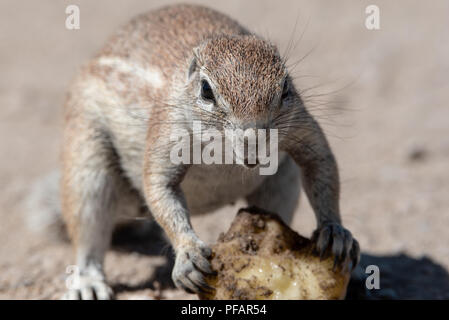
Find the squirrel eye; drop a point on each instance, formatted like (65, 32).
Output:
(285, 91)
(206, 91)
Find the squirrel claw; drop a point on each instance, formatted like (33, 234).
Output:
(190, 268)
(333, 238)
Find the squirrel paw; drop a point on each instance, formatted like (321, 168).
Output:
(89, 288)
(191, 266)
(334, 238)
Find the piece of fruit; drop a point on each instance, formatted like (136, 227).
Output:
(260, 257)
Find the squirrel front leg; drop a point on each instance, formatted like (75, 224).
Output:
(308, 146)
(166, 202)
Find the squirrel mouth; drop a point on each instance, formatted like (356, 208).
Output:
(250, 165)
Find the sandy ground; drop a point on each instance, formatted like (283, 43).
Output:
(387, 120)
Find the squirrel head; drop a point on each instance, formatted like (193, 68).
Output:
(241, 78)
(239, 82)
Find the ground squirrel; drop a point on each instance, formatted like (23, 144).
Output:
(156, 75)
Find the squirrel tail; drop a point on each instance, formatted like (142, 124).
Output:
(43, 207)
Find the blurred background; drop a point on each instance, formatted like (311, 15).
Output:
(381, 96)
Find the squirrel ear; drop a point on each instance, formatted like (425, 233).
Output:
(194, 62)
(192, 68)
(196, 52)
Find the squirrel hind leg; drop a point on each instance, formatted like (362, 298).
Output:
(91, 189)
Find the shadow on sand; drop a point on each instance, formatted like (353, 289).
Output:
(401, 276)
(145, 238)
